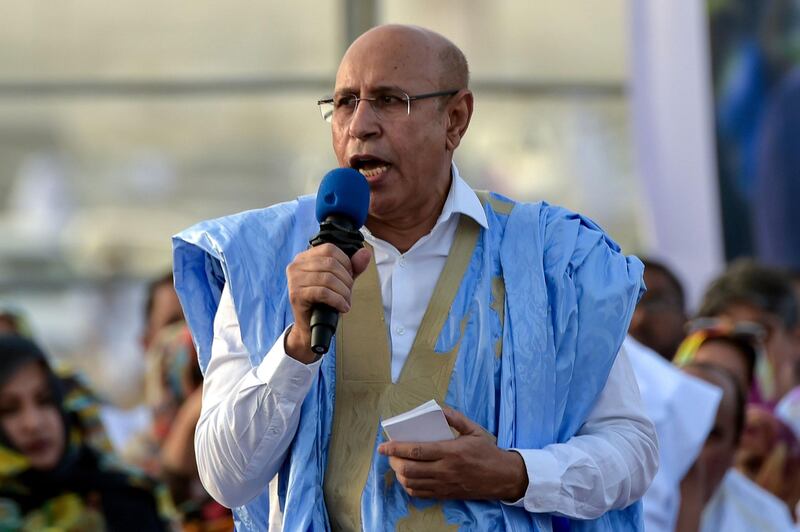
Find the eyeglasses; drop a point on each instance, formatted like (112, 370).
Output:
(386, 105)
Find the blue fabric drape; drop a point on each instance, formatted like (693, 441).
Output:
(570, 295)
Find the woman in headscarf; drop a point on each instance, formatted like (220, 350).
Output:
(737, 347)
(51, 474)
(173, 390)
(177, 401)
(768, 452)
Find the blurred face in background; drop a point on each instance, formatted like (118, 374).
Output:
(29, 417)
(166, 310)
(7, 324)
(719, 450)
(725, 355)
(779, 344)
(659, 319)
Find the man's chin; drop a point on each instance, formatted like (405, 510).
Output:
(382, 206)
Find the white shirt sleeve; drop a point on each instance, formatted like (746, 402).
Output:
(607, 465)
(249, 414)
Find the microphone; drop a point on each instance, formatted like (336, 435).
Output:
(342, 205)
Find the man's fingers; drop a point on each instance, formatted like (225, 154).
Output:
(320, 275)
(424, 452)
(327, 280)
(423, 488)
(336, 263)
(360, 261)
(413, 469)
(329, 251)
(430, 487)
(329, 258)
(426, 484)
(319, 294)
(460, 422)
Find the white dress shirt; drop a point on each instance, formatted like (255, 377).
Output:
(250, 414)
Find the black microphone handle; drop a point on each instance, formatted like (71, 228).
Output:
(323, 326)
(339, 231)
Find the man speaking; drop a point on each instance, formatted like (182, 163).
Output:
(510, 314)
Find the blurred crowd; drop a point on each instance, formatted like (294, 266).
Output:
(722, 387)
(60, 470)
(730, 458)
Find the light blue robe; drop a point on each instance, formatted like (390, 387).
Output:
(570, 295)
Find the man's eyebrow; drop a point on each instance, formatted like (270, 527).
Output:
(388, 88)
(344, 90)
(379, 88)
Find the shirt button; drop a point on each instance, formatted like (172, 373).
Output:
(400, 330)
(402, 262)
(297, 380)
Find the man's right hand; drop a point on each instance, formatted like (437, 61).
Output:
(322, 274)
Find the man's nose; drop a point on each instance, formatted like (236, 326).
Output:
(364, 122)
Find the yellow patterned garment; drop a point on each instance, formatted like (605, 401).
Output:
(90, 490)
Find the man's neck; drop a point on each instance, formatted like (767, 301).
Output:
(404, 232)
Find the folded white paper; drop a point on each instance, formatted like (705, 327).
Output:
(426, 423)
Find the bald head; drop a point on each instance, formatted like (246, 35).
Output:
(448, 64)
(403, 146)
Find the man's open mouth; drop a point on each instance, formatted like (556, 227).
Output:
(369, 166)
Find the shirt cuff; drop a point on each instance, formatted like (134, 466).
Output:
(544, 482)
(287, 377)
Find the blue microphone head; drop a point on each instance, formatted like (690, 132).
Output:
(343, 191)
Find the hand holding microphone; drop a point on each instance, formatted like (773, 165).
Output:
(321, 278)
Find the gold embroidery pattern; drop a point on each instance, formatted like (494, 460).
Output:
(499, 306)
(431, 518)
(364, 389)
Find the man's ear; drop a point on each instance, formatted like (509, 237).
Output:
(459, 113)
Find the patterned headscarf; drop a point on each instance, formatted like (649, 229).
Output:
(88, 480)
(748, 336)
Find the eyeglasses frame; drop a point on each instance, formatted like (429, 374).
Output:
(408, 99)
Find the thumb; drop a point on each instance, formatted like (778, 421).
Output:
(460, 422)
(360, 261)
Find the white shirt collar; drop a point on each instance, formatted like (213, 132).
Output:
(461, 199)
